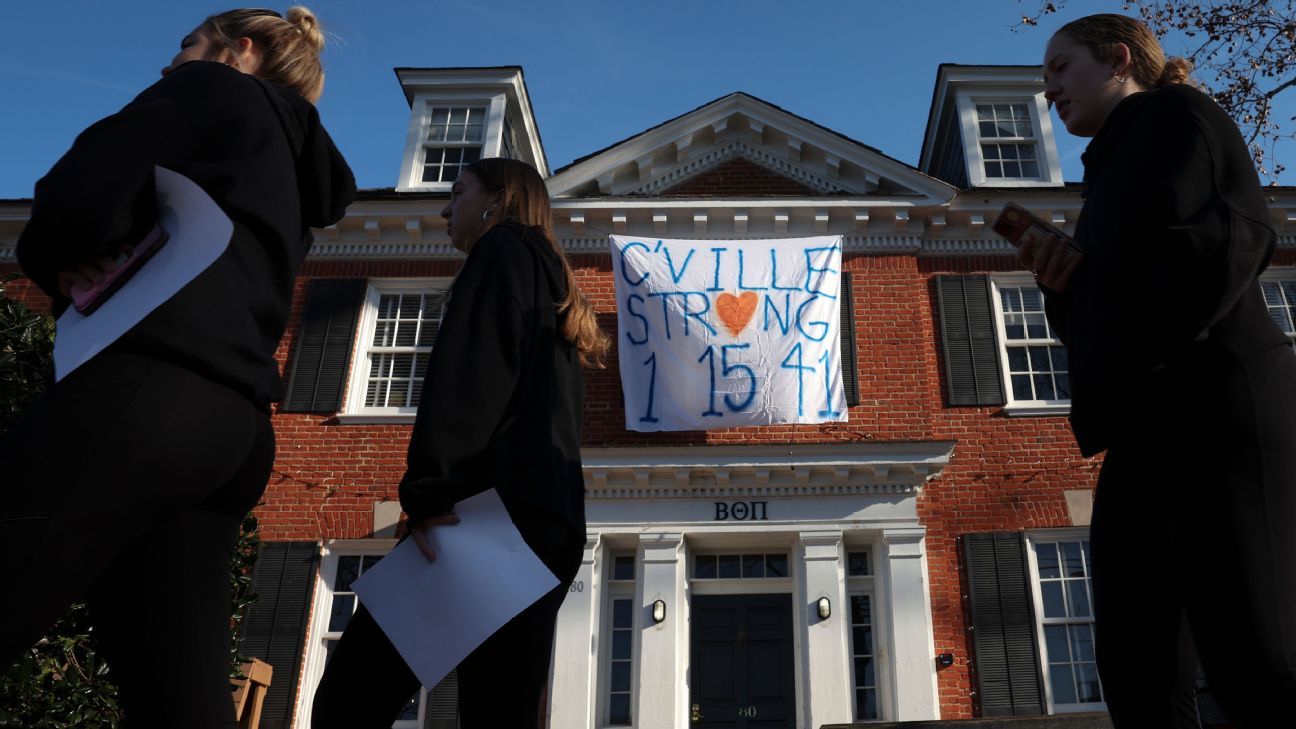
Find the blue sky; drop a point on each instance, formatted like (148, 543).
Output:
(598, 72)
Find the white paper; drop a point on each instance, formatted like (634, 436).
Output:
(436, 613)
(199, 233)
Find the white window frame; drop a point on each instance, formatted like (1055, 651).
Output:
(1014, 406)
(354, 410)
(1031, 141)
(1050, 165)
(1279, 273)
(416, 144)
(618, 590)
(1052, 536)
(867, 586)
(317, 632)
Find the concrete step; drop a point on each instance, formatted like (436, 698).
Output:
(1059, 721)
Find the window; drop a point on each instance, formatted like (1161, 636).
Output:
(739, 566)
(620, 631)
(454, 140)
(335, 604)
(509, 146)
(1064, 609)
(1032, 358)
(1280, 296)
(859, 582)
(397, 333)
(1008, 145)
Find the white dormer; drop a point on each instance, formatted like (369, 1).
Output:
(989, 126)
(460, 115)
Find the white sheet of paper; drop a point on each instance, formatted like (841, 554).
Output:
(437, 612)
(199, 233)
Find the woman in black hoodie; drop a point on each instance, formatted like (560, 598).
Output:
(501, 409)
(1181, 376)
(126, 483)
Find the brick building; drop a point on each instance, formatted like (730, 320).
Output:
(791, 575)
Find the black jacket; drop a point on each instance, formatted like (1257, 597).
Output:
(260, 152)
(1175, 233)
(503, 394)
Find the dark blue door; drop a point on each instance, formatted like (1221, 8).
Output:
(741, 662)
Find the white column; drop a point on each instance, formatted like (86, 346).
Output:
(572, 681)
(826, 655)
(660, 701)
(909, 622)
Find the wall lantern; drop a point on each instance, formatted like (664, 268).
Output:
(825, 608)
(659, 611)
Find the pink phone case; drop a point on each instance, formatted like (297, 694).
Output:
(86, 300)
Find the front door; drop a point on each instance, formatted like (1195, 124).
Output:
(741, 662)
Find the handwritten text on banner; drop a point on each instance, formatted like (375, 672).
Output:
(718, 334)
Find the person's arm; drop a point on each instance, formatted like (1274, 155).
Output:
(99, 196)
(471, 377)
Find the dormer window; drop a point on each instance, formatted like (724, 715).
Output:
(454, 140)
(1007, 139)
(461, 115)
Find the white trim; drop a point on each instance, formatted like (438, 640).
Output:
(1012, 405)
(353, 409)
(416, 143)
(1041, 536)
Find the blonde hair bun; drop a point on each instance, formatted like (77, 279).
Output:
(1175, 71)
(307, 24)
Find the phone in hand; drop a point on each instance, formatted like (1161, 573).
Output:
(1014, 221)
(88, 299)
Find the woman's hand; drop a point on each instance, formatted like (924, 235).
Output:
(88, 274)
(418, 529)
(1050, 258)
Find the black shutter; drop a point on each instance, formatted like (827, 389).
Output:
(972, 373)
(1003, 625)
(849, 363)
(318, 370)
(275, 627)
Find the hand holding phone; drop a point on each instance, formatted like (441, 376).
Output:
(88, 295)
(1051, 255)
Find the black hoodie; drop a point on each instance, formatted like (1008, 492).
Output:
(1175, 233)
(260, 152)
(502, 398)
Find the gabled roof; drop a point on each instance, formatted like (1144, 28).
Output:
(742, 126)
(949, 76)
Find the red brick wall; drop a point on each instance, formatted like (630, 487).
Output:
(738, 178)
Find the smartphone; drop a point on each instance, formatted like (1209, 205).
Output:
(88, 299)
(1014, 220)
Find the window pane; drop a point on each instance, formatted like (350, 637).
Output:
(861, 610)
(1044, 388)
(620, 676)
(1054, 605)
(619, 713)
(729, 566)
(704, 567)
(866, 704)
(1021, 387)
(1088, 688)
(776, 565)
(857, 564)
(1071, 558)
(1063, 681)
(622, 615)
(623, 568)
(1082, 644)
(1047, 557)
(621, 645)
(1063, 384)
(1015, 328)
(753, 565)
(1078, 598)
(343, 606)
(1018, 360)
(348, 569)
(862, 640)
(864, 672)
(1056, 645)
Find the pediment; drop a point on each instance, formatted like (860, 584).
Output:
(741, 146)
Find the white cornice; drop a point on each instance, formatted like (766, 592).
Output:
(742, 150)
(870, 469)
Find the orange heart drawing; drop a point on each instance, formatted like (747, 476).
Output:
(736, 311)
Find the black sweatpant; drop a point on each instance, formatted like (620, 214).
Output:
(367, 683)
(125, 485)
(1194, 547)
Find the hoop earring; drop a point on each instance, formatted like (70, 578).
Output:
(1120, 78)
(486, 214)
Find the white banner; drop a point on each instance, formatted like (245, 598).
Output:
(719, 334)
